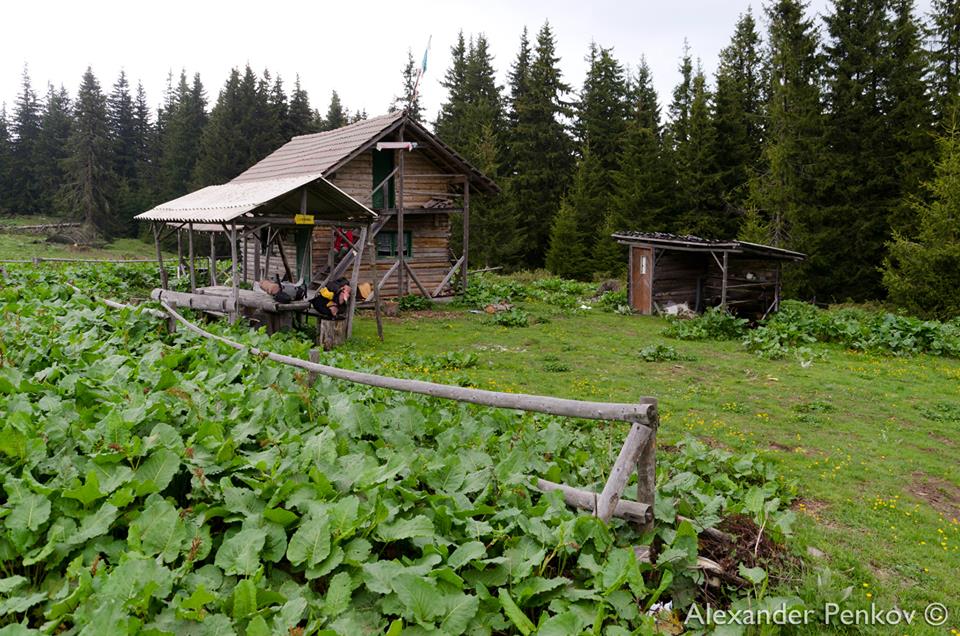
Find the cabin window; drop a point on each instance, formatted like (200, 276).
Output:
(382, 167)
(387, 244)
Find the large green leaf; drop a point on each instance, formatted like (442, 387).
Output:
(30, 513)
(419, 596)
(155, 474)
(419, 526)
(240, 554)
(159, 530)
(310, 544)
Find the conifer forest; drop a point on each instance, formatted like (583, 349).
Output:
(836, 136)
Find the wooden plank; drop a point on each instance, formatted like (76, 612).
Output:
(193, 271)
(625, 465)
(235, 314)
(466, 232)
(401, 238)
(647, 465)
(354, 278)
(164, 281)
(213, 258)
(413, 276)
(446, 279)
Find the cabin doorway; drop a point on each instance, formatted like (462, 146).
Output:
(382, 167)
(641, 279)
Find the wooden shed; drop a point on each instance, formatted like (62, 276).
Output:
(412, 180)
(669, 269)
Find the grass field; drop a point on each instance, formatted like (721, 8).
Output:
(14, 246)
(872, 440)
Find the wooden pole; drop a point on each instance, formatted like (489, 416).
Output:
(635, 512)
(354, 277)
(466, 232)
(246, 250)
(235, 314)
(164, 281)
(647, 464)
(180, 268)
(213, 259)
(723, 289)
(626, 463)
(193, 272)
(268, 250)
(257, 274)
(401, 239)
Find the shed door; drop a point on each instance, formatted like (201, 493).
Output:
(641, 279)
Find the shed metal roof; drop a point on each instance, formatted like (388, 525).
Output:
(230, 201)
(666, 240)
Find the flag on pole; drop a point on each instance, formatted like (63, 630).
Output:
(423, 68)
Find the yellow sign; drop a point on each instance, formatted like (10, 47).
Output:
(303, 219)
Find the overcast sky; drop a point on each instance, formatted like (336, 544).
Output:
(355, 48)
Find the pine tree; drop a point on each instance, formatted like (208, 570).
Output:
(518, 85)
(859, 188)
(5, 158)
(409, 99)
(300, 117)
(123, 134)
(145, 145)
(541, 150)
(24, 181)
(682, 100)
(56, 120)
(945, 35)
(225, 148)
(783, 195)
(922, 273)
(89, 186)
(336, 115)
(280, 111)
(738, 117)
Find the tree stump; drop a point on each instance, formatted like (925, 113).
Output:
(332, 333)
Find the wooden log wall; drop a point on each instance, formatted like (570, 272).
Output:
(276, 263)
(751, 284)
(430, 258)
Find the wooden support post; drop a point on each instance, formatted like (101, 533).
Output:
(171, 325)
(401, 239)
(268, 249)
(257, 274)
(180, 268)
(193, 271)
(313, 375)
(332, 333)
(647, 465)
(283, 257)
(213, 259)
(246, 250)
(626, 463)
(164, 282)
(235, 313)
(466, 233)
(723, 288)
(376, 284)
(354, 278)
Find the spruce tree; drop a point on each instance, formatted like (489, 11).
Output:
(602, 109)
(89, 187)
(300, 117)
(922, 272)
(518, 82)
(183, 123)
(121, 118)
(783, 194)
(337, 116)
(541, 150)
(5, 158)
(908, 112)
(945, 36)
(224, 147)
(24, 178)
(860, 191)
(679, 110)
(144, 195)
(643, 189)
(699, 209)
(56, 121)
(409, 98)
(738, 117)
(575, 227)
(451, 118)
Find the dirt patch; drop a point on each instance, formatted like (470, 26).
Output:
(788, 449)
(749, 547)
(939, 494)
(940, 439)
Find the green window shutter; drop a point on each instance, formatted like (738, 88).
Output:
(382, 166)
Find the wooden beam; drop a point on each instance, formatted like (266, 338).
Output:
(213, 258)
(386, 276)
(446, 279)
(401, 239)
(647, 464)
(413, 276)
(466, 232)
(372, 250)
(635, 512)
(723, 291)
(235, 314)
(354, 277)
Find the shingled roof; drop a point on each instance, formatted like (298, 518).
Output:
(696, 243)
(325, 152)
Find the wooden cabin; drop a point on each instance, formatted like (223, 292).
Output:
(666, 270)
(413, 181)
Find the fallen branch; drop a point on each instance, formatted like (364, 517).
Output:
(632, 511)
